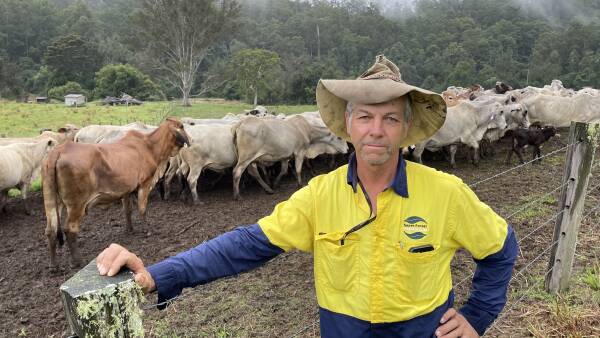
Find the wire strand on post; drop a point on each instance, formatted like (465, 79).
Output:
(541, 226)
(536, 200)
(507, 311)
(472, 185)
(590, 212)
(519, 242)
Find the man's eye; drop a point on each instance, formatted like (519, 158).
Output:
(392, 119)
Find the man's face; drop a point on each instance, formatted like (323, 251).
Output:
(376, 130)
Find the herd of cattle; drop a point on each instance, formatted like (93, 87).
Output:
(98, 165)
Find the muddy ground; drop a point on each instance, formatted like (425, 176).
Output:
(276, 300)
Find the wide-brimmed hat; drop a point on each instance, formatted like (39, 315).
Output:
(381, 83)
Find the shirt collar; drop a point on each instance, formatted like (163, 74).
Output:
(398, 183)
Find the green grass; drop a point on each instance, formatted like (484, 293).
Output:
(35, 186)
(535, 210)
(26, 119)
(573, 313)
(591, 277)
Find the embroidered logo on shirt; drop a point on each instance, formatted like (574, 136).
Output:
(415, 227)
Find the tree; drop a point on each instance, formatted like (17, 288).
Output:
(112, 80)
(304, 82)
(179, 33)
(70, 58)
(255, 69)
(9, 80)
(70, 87)
(463, 74)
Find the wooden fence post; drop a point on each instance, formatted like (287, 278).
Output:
(578, 162)
(100, 306)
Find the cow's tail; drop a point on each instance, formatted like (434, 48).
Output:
(234, 129)
(52, 202)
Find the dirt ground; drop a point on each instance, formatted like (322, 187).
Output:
(276, 300)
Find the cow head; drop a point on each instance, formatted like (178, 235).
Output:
(498, 117)
(550, 131)
(516, 116)
(178, 132)
(69, 131)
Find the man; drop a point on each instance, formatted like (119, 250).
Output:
(382, 230)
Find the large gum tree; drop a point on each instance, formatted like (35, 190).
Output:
(178, 34)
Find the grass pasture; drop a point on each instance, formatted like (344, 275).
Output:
(26, 119)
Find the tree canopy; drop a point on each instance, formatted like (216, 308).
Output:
(436, 43)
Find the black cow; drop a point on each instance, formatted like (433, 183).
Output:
(534, 137)
(502, 87)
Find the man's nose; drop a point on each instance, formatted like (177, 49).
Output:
(377, 127)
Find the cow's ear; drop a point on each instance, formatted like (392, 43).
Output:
(50, 142)
(62, 130)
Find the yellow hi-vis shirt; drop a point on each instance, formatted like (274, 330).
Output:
(378, 274)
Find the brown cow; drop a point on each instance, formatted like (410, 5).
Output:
(79, 176)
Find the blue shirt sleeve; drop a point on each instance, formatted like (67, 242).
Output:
(233, 252)
(490, 284)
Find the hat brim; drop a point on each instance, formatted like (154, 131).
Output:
(428, 108)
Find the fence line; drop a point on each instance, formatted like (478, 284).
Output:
(507, 311)
(520, 274)
(536, 200)
(472, 185)
(541, 226)
(590, 212)
(519, 242)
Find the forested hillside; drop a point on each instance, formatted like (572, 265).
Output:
(48, 47)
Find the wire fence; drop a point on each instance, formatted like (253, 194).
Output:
(473, 185)
(522, 271)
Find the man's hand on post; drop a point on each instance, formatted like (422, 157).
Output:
(110, 261)
(454, 325)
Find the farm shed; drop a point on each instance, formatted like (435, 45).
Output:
(74, 100)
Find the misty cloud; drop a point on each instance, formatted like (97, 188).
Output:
(558, 11)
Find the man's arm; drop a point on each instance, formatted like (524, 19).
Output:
(490, 284)
(233, 252)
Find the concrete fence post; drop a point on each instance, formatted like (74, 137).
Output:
(100, 306)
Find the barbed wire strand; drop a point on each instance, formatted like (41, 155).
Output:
(472, 185)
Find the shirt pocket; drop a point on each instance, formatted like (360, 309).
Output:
(336, 265)
(417, 273)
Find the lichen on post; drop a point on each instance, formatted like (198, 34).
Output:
(100, 306)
